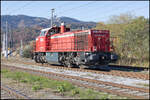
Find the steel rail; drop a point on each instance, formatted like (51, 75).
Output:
(136, 75)
(116, 92)
(14, 92)
(129, 67)
(114, 73)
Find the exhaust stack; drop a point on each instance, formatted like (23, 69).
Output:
(63, 29)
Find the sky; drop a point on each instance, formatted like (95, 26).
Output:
(82, 10)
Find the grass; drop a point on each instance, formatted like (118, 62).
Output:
(142, 84)
(63, 87)
(147, 85)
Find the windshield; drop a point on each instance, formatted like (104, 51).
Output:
(42, 33)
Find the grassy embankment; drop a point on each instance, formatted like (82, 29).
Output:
(63, 87)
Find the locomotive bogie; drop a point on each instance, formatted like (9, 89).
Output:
(75, 59)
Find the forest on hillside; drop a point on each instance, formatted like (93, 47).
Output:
(130, 36)
(27, 28)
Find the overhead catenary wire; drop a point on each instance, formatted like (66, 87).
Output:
(20, 8)
(106, 10)
(70, 9)
(112, 9)
(109, 10)
(137, 9)
(67, 10)
(77, 7)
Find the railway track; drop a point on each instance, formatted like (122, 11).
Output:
(136, 75)
(127, 68)
(113, 88)
(115, 70)
(14, 92)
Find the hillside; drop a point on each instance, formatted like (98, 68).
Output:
(19, 21)
(27, 28)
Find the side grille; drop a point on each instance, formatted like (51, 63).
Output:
(81, 41)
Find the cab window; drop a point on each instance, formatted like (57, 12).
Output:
(48, 33)
(42, 33)
(52, 31)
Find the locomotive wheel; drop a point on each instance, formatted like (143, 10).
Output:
(68, 63)
(35, 58)
(41, 60)
(38, 59)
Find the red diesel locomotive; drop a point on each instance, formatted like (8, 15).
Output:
(59, 45)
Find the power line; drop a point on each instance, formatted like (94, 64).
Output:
(109, 10)
(104, 11)
(68, 10)
(113, 9)
(127, 11)
(84, 11)
(20, 8)
(80, 7)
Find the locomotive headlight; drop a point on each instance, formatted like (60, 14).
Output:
(36, 39)
(87, 53)
(103, 57)
(112, 56)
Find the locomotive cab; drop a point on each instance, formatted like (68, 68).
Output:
(42, 41)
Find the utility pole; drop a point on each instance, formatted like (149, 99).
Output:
(52, 17)
(82, 27)
(6, 41)
(21, 49)
(10, 42)
(12, 45)
(4, 45)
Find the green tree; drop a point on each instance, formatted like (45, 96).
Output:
(123, 18)
(132, 38)
(136, 40)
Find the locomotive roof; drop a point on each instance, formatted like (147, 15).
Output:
(45, 29)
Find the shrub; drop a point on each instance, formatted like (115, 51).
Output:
(36, 87)
(28, 50)
(61, 88)
(74, 92)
